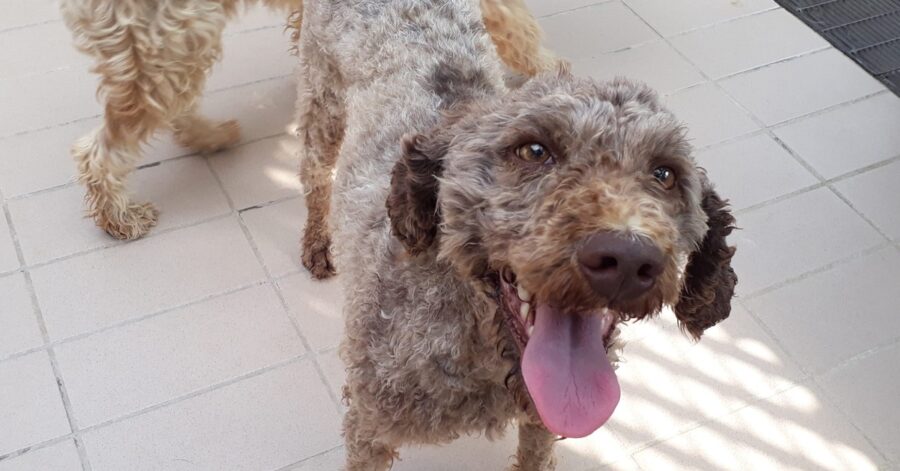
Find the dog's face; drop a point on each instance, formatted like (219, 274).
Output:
(580, 205)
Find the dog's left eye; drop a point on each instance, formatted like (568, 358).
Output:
(665, 176)
(534, 153)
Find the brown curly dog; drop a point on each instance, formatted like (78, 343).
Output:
(153, 57)
(491, 242)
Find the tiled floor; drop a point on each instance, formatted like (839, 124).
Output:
(205, 346)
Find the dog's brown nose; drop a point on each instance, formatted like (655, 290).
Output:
(618, 266)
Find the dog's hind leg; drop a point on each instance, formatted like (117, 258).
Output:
(364, 451)
(535, 451)
(105, 159)
(320, 128)
(152, 69)
(203, 135)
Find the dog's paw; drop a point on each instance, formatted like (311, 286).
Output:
(316, 257)
(226, 134)
(209, 136)
(133, 223)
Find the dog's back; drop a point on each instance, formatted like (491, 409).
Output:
(402, 63)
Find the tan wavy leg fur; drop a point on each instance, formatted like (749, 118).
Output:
(152, 57)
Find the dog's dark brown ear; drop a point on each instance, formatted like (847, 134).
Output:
(709, 280)
(412, 202)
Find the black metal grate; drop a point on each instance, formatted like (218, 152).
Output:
(867, 31)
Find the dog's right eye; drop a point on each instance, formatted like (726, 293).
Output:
(534, 153)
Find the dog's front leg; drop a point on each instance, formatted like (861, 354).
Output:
(535, 449)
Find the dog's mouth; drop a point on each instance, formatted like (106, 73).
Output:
(565, 364)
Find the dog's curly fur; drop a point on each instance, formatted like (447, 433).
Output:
(431, 207)
(153, 57)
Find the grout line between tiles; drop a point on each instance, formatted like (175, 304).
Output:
(811, 375)
(715, 24)
(51, 354)
(165, 161)
(151, 408)
(815, 271)
(271, 280)
(206, 93)
(569, 10)
(769, 131)
(308, 458)
(782, 60)
(826, 396)
(200, 391)
(29, 25)
(632, 451)
(816, 186)
(134, 320)
(155, 313)
(829, 108)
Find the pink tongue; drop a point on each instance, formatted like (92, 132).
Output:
(568, 376)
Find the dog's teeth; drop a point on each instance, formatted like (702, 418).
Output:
(524, 295)
(524, 309)
(530, 330)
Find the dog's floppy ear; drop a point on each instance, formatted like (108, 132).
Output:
(412, 202)
(709, 280)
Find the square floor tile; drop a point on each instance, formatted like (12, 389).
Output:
(793, 430)
(783, 91)
(60, 457)
(20, 329)
(39, 160)
(867, 392)
(670, 383)
(47, 100)
(655, 63)
(877, 195)
(590, 31)
(31, 410)
(277, 230)
(185, 191)
(752, 170)
(267, 48)
(710, 115)
(847, 138)
(317, 307)
(53, 224)
(259, 172)
(792, 237)
(50, 48)
(129, 368)
(9, 260)
(18, 13)
(265, 422)
(831, 316)
(738, 45)
(674, 16)
(95, 290)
